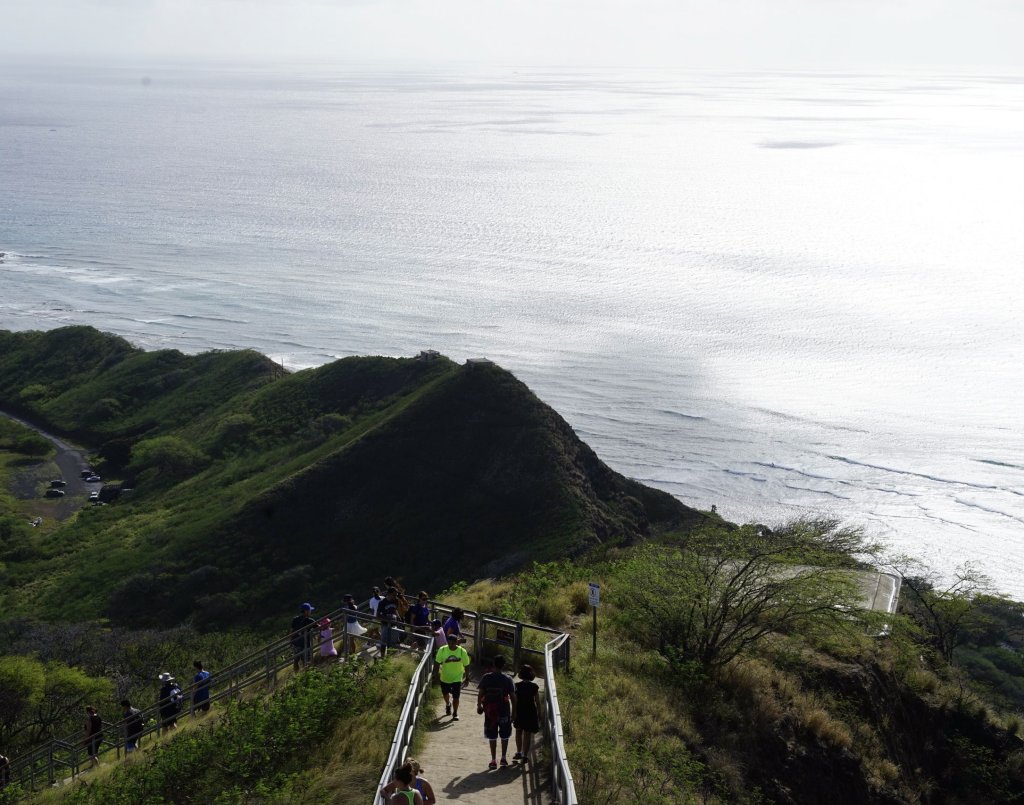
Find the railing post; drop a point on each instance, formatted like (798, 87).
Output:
(517, 649)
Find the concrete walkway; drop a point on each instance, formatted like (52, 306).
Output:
(456, 755)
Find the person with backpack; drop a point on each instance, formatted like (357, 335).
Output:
(93, 734)
(169, 702)
(301, 632)
(132, 717)
(419, 784)
(401, 791)
(496, 701)
(389, 618)
(201, 693)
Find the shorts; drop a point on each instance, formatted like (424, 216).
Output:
(453, 688)
(355, 628)
(202, 706)
(528, 722)
(499, 727)
(130, 744)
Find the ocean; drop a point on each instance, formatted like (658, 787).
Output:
(781, 294)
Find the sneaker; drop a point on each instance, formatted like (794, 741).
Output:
(455, 717)
(447, 709)
(492, 765)
(504, 763)
(517, 756)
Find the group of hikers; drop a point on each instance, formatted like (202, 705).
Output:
(504, 704)
(170, 702)
(400, 618)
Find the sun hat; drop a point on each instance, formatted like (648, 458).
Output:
(164, 677)
(325, 621)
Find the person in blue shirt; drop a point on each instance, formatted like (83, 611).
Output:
(201, 695)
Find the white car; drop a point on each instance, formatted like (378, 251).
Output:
(93, 479)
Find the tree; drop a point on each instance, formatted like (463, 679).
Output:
(39, 699)
(716, 597)
(946, 608)
(169, 455)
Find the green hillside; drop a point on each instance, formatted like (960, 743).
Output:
(255, 488)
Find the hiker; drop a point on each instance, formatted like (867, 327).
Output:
(453, 624)
(439, 641)
(201, 695)
(93, 734)
(5, 771)
(302, 625)
(353, 628)
(419, 617)
(453, 662)
(401, 790)
(496, 700)
(388, 614)
(169, 702)
(327, 649)
(375, 600)
(132, 725)
(419, 784)
(527, 720)
(403, 605)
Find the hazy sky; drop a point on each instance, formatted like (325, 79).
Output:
(823, 34)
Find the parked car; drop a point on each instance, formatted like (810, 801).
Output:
(94, 496)
(86, 473)
(57, 484)
(54, 493)
(92, 479)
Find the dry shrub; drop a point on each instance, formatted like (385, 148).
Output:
(727, 767)
(922, 680)
(753, 686)
(482, 596)
(881, 773)
(579, 597)
(551, 609)
(820, 723)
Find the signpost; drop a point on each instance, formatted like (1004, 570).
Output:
(595, 600)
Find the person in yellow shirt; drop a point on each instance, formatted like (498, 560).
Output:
(453, 662)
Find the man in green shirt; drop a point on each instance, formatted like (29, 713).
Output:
(453, 663)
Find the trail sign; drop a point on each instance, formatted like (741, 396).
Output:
(595, 594)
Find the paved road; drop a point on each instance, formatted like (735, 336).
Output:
(456, 755)
(70, 462)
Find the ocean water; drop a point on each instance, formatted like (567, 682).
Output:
(781, 294)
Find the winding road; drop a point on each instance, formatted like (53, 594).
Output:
(70, 461)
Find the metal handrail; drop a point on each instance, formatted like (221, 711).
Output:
(407, 721)
(556, 655)
(564, 790)
(259, 666)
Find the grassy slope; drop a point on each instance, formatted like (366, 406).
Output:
(322, 737)
(839, 717)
